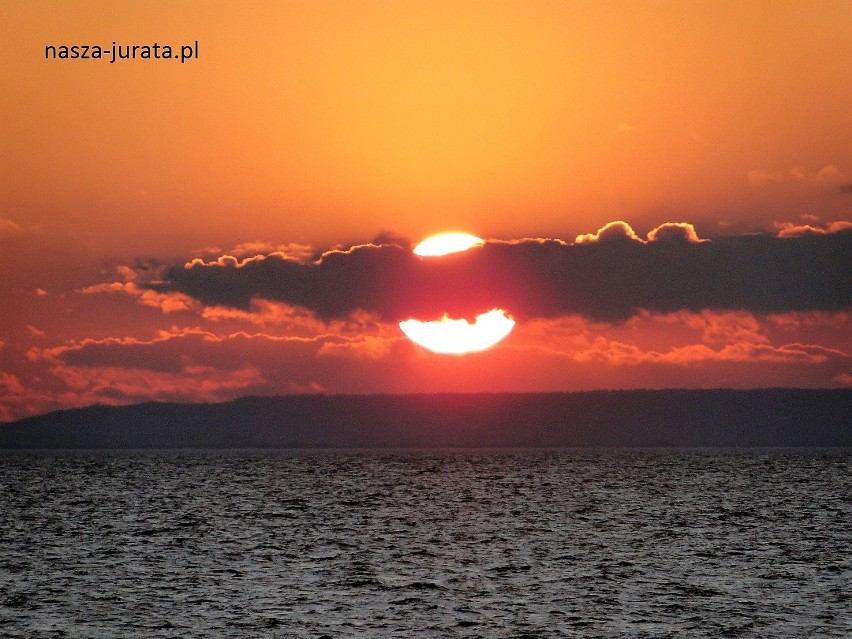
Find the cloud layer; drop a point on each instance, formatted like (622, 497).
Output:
(607, 276)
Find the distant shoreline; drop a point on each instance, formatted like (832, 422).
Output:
(683, 418)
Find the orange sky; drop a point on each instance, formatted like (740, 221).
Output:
(320, 124)
(328, 121)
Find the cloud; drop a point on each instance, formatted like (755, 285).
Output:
(612, 232)
(364, 355)
(761, 177)
(10, 383)
(176, 365)
(122, 385)
(693, 339)
(298, 321)
(191, 364)
(35, 332)
(674, 232)
(301, 252)
(828, 176)
(610, 275)
(724, 327)
(790, 229)
(748, 352)
(622, 232)
(167, 302)
(367, 347)
(19, 399)
(10, 228)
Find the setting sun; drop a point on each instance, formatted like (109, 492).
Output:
(446, 243)
(458, 336)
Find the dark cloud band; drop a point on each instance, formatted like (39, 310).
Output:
(607, 281)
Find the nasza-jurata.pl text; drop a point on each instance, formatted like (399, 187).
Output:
(114, 52)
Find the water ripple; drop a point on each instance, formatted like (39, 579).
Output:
(435, 544)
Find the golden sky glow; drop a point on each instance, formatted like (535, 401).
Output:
(322, 139)
(316, 121)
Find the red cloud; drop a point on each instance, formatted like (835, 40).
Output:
(693, 339)
(113, 385)
(171, 302)
(789, 229)
(193, 364)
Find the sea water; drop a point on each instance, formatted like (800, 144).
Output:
(446, 543)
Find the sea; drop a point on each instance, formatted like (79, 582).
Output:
(426, 543)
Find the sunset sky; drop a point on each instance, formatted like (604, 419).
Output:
(665, 191)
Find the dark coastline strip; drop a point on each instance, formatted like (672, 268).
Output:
(663, 418)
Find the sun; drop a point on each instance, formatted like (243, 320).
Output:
(446, 243)
(458, 336)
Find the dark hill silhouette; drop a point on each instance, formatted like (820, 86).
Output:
(680, 418)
